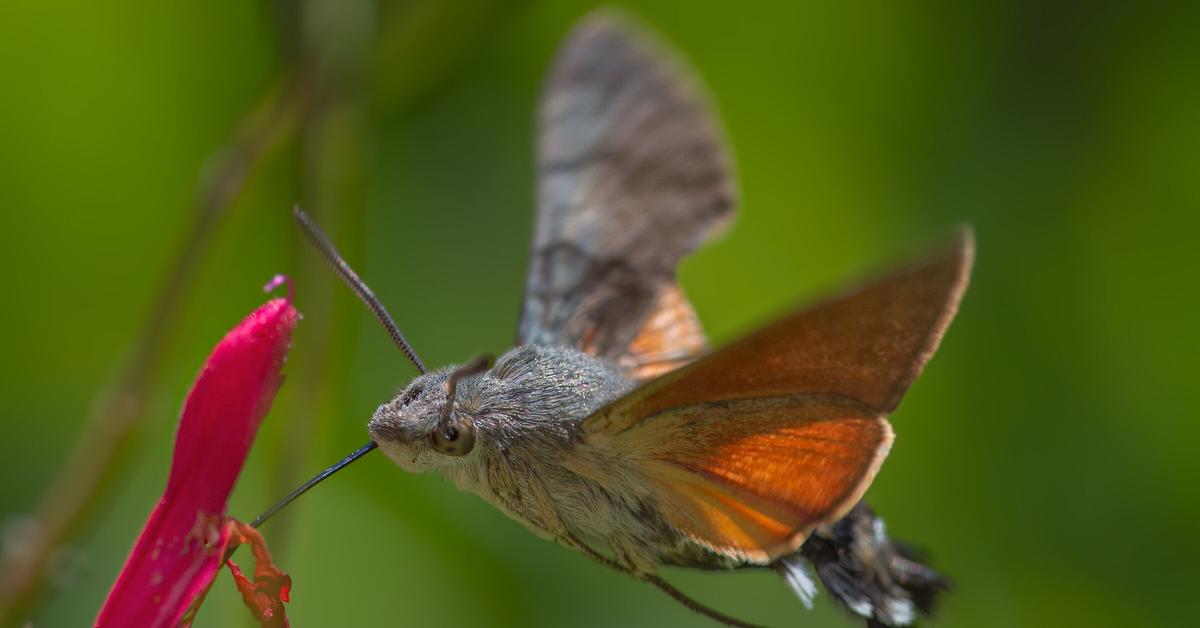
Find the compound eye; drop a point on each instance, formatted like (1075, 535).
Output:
(454, 437)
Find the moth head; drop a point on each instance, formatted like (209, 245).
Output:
(431, 423)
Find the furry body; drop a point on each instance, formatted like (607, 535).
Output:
(530, 462)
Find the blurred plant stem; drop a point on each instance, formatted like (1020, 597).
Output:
(119, 410)
(326, 100)
(338, 35)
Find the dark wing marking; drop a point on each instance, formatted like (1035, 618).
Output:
(633, 176)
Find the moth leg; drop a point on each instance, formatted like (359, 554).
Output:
(570, 540)
(691, 603)
(656, 580)
(563, 534)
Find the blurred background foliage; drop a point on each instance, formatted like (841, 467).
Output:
(1044, 457)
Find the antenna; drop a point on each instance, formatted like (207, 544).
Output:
(343, 270)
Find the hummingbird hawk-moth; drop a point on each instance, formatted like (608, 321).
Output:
(611, 428)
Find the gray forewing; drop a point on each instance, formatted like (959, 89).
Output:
(633, 175)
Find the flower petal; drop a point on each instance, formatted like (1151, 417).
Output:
(264, 595)
(182, 545)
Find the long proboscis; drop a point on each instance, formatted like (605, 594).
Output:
(317, 479)
(329, 252)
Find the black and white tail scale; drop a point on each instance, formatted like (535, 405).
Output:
(865, 571)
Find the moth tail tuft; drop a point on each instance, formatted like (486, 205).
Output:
(795, 571)
(864, 570)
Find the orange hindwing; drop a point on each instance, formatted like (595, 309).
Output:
(750, 448)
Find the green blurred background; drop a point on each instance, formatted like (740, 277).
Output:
(1046, 458)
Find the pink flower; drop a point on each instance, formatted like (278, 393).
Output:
(182, 546)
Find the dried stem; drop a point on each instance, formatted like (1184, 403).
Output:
(119, 410)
